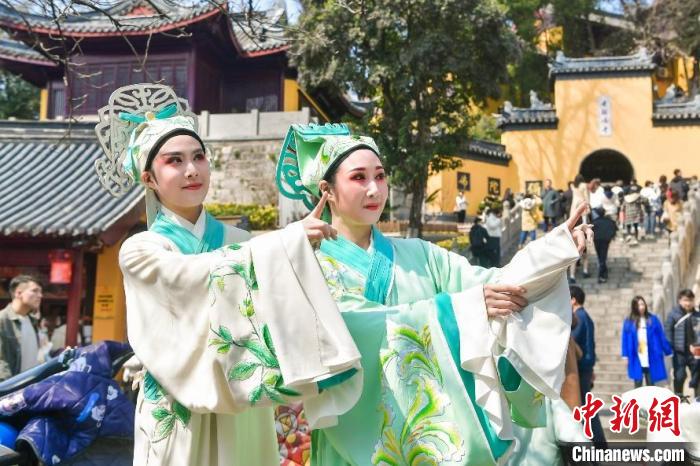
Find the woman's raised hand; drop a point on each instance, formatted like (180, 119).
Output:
(503, 300)
(582, 233)
(315, 228)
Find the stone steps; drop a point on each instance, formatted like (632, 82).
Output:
(631, 272)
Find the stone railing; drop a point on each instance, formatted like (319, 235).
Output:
(675, 269)
(219, 126)
(511, 233)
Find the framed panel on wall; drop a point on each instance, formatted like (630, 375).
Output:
(464, 182)
(534, 187)
(494, 186)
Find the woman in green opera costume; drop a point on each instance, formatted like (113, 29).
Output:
(448, 363)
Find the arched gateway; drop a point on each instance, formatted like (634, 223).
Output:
(608, 165)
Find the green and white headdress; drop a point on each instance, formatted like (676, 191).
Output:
(308, 152)
(138, 118)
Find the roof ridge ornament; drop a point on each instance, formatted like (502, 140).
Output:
(128, 107)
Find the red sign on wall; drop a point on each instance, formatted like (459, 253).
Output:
(61, 266)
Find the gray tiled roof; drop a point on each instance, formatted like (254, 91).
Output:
(50, 189)
(545, 116)
(488, 149)
(677, 111)
(16, 50)
(563, 65)
(97, 22)
(262, 33)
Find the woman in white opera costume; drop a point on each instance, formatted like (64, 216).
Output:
(220, 322)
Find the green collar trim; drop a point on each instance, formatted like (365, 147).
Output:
(188, 243)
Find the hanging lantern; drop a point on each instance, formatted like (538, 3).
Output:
(61, 266)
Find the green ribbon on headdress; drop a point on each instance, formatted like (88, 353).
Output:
(308, 152)
(151, 128)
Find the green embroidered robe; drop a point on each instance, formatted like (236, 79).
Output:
(442, 383)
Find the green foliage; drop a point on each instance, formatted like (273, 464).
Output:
(459, 244)
(262, 217)
(18, 98)
(421, 62)
(490, 202)
(485, 128)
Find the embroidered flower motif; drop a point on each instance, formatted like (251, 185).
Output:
(264, 363)
(420, 437)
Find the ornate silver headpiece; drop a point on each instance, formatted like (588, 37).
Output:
(128, 107)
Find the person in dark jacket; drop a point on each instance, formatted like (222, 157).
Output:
(550, 205)
(604, 230)
(479, 243)
(644, 345)
(679, 329)
(679, 185)
(583, 334)
(566, 199)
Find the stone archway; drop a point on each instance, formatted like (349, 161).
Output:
(608, 165)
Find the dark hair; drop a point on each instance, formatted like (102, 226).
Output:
(686, 293)
(20, 280)
(165, 138)
(329, 177)
(634, 310)
(648, 183)
(662, 179)
(578, 294)
(676, 171)
(579, 179)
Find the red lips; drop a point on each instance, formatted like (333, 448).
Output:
(372, 206)
(193, 187)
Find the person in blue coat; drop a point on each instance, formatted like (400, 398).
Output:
(644, 345)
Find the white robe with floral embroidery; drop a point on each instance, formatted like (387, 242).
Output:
(213, 372)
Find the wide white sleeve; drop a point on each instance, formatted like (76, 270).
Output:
(192, 324)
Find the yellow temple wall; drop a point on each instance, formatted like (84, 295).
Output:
(109, 307)
(558, 153)
(480, 172)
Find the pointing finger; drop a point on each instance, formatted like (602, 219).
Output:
(318, 210)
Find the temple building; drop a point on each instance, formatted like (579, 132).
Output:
(604, 123)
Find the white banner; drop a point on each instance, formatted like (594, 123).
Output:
(604, 116)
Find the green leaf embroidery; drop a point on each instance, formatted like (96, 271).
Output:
(287, 391)
(160, 413)
(152, 391)
(253, 279)
(261, 352)
(243, 370)
(255, 395)
(223, 349)
(225, 334)
(220, 283)
(182, 413)
(284, 390)
(164, 427)
(246, 307)
(268, 339)
(234, 246)
(273, 394)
